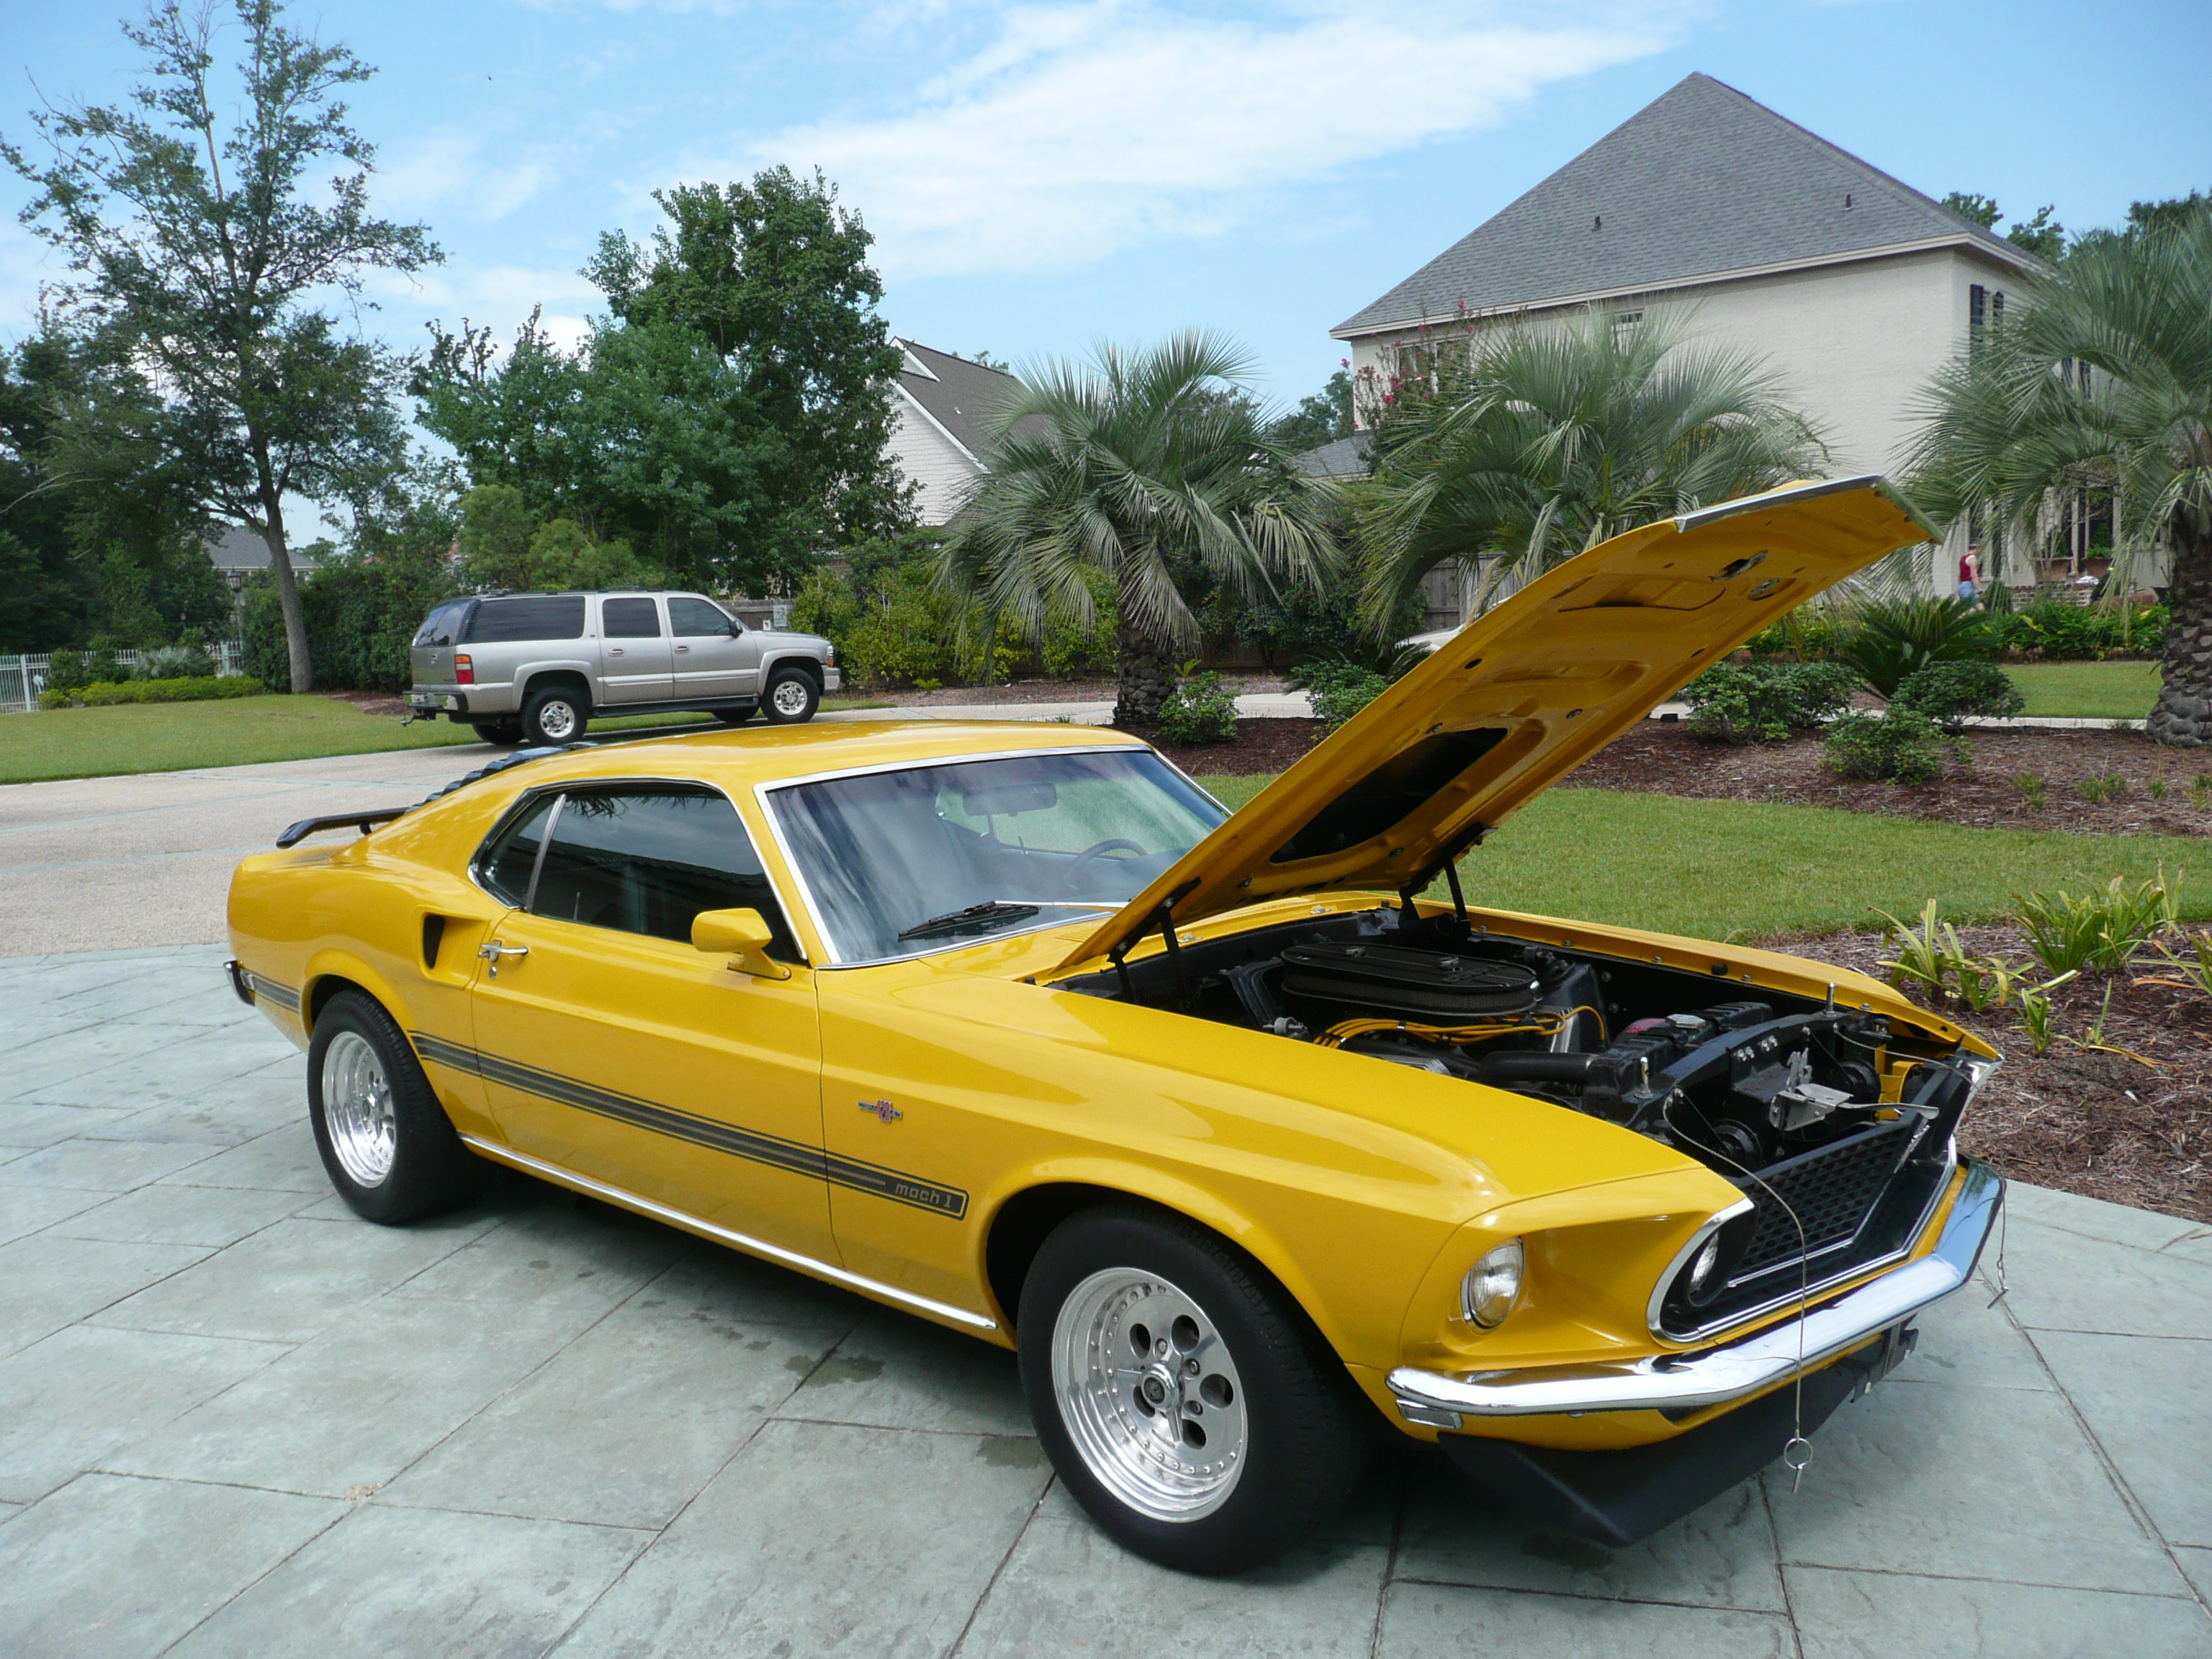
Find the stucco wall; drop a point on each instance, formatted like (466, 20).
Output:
(928, 458)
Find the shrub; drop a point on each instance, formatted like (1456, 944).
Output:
(72, 671)
(1765, 702)
(1067, 648)
(2063, 632)
(1199, 710)
(1339, 690)
(176, 662)
(2099, 933)
(1809, 633)
(361, 615)
(200, 689)
(1903, 746)
(1949, 693)
(1887, 639)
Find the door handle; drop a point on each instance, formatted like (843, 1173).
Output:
(492, 953)
(681, 649)
(614, 651)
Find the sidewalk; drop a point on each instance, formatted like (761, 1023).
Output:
(236, 1419)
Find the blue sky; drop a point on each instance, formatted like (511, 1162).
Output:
(1040, 176)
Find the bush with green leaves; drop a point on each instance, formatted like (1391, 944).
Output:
(1765, 701)
(362, 614)
(1885, 639)
(1950, 693)
(1199, 710)
(893, 624)
(176, 662)
(1809, 633)
(200, 689)
(1068, 650)
(2058, 632)
(1339, 690)
(2099, 932)
(1902, 747)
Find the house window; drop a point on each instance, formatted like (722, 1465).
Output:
(1624, 324)
(1978, 314)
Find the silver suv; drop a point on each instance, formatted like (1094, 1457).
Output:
(537, 667)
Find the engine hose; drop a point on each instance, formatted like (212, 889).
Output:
(1533, 1068)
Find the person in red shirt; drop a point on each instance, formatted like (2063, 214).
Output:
(1969, 570)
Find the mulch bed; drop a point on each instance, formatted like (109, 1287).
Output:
(371, 702)
(1666, 757)
(1260, 746)
(2084, 1120)
(955, 696)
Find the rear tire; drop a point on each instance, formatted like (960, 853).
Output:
(790, 697)
(557, 715)
(386, 1143)
(1188, 1402)
(735, 716)
(503, 732)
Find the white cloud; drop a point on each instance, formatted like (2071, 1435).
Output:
(446, 171)
(500, 295)
(1079, 130)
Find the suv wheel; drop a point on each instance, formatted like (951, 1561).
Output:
(791, 697)
(556, 714)
(735, 716)
(1189, 1405)
(499, 731)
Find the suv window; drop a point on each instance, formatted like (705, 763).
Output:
(509, 863)
(647, 859)
(540, 617)
(692, 619)
(629, 619)
(443, 625)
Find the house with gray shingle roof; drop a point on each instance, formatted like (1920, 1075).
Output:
(944, 410)
(1854, 287)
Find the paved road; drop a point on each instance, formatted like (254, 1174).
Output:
(234, 1420)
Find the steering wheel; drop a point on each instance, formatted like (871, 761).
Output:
(1076, 878)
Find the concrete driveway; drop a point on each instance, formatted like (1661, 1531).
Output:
(234, 1420)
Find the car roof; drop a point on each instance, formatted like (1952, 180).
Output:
(742, 759)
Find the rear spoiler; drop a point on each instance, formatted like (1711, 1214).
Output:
(295, 834)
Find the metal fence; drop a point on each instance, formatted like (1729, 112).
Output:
(22, 677)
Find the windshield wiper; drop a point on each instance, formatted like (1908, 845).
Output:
(975, 915)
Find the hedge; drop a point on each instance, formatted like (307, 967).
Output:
(103, 694)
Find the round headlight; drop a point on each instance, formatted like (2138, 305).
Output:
(1702, 1268)
(1492, 1286)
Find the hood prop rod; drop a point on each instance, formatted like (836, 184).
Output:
(1162, 917)
(1408, 916)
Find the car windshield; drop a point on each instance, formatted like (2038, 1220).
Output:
(905, 861)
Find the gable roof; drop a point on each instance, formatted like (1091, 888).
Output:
(1340, 458)
(232, 547)
(964, 399)
(1700, 181)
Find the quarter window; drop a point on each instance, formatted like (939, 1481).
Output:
(547, 616)
(512, 859)
(648, 859)
(629, 619)
(693, 619)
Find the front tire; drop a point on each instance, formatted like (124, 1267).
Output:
(386, 1143)
(790, 697)
(556, 715)
(1188, 1402)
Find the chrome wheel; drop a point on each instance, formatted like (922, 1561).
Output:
(357, 1109)
(789, 698)
(1149, 1394)
(558, 720)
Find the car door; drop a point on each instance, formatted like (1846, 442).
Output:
(710, 658)
(634, 659)
(610, 1048)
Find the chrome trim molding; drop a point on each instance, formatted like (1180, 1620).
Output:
(1719, 1376)
(745, 1242)
(1741, 1207)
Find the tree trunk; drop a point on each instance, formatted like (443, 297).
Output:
(2183, 716)
(1147, 676)
(288, 592)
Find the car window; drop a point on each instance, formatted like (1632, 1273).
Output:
(443, 625)
(629, 619)
(648, 859)
(692, 619)
(891, 859)
(508, 864)
(540, 617)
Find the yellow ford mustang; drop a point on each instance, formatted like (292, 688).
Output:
(1242, 1145)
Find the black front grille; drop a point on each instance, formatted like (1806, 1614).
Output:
(1829, 1193)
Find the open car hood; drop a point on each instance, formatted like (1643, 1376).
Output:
(1521, 697)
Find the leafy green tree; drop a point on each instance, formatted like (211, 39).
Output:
(50, 593)
(205, 229)
(495, 529)
(727, 416)
(2042, 236)
(2101, 377)
(1320, 418)
(1136, 464)
(1552, 439)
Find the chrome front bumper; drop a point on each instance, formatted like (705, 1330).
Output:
(1714, 1376)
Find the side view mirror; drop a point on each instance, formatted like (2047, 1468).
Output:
(741, 935)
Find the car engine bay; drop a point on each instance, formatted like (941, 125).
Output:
(1836, 1125)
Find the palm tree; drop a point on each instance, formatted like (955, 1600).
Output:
(2103, 378)
(1551, 440)
(1152, 466)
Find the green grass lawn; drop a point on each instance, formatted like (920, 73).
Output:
(92, 743)
(2087, 690)
(1737, 871)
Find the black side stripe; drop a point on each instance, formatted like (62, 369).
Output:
(770, 1150)
(280, 995)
